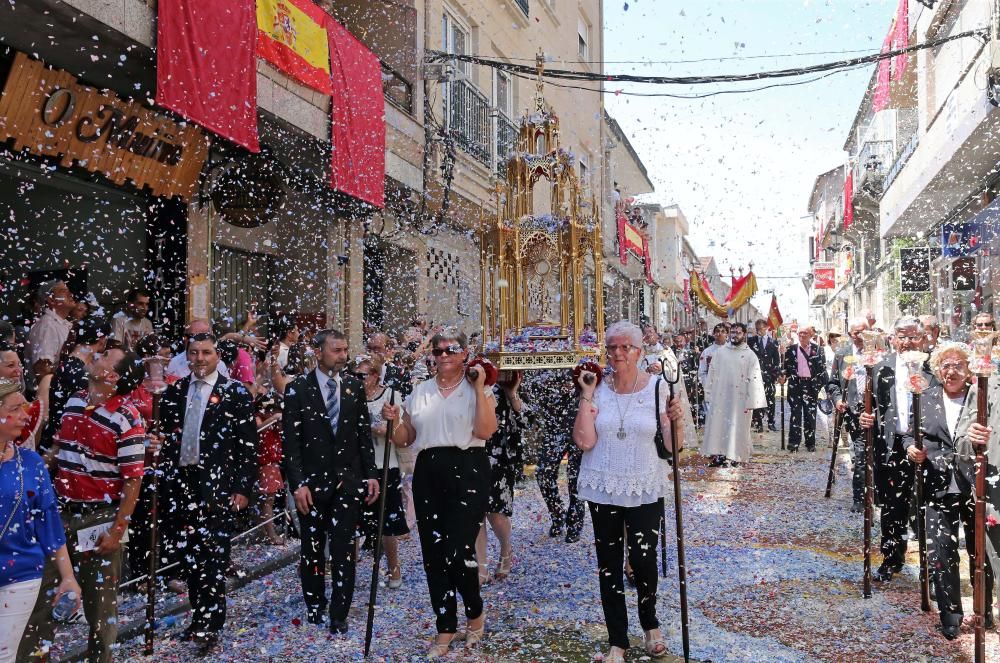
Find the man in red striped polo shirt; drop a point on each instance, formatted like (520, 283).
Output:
(101, 446)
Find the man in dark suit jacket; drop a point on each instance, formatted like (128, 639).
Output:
(209, 461)
(766, 349)
(891, 418)
(847, 390)
(949, 495)
(805, 379)
(329, 462)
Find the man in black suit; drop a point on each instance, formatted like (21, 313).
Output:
(891, 418)
(209, 461)
(804, 368)
(949, 493)
(330, 466)
(766, 349)
(847, 390)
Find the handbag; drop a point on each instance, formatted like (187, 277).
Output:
(661, 447)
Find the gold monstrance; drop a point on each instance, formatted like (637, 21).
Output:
(535, 250)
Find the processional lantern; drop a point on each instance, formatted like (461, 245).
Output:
(541, 239)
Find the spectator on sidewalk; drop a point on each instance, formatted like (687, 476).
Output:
(31, 531)
(100, 449)
(37, 411)
(130, 325)
(49, 332)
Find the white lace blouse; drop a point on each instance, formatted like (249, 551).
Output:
(625, 472)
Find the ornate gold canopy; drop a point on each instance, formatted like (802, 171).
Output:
(536, 250)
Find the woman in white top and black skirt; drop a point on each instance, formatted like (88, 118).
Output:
(449, 420)
(624, 480)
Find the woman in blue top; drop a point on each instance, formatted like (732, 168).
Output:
(30, 527)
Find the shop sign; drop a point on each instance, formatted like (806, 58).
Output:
(46, 112)
(824, 274)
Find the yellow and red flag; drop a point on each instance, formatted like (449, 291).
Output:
(774, 319)
(744, 287)
(701, 290)
(291, 35)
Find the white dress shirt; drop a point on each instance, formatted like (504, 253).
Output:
(46, 338)
(903, 396)
(205, 386)
(324, 388)
(179, 367)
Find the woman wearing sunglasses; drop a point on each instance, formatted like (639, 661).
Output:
(449, 418)
(624, 480)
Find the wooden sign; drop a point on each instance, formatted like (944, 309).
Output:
(46, 112)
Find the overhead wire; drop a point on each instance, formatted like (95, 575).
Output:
(565, 74)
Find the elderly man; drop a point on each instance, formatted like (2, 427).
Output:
(932, 328)
(50, 331)
(891, 418)
(984, 321)
(847, 389)
(869, 317)
(804, 367)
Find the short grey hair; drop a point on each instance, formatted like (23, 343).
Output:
(627, 329)
(905, 321)
(948, 348)
(450, 334)
(858, 322)
(930, 321)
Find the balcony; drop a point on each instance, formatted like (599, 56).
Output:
(469, 120)
(506, 134)
(870, 167)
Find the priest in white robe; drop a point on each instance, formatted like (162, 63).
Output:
(735, 387)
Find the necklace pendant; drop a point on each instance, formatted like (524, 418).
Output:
(621, 433)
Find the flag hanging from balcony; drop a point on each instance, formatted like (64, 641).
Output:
(744, 287)
(701, 290)
(848, 199)
(357, 110)
(205, 65)
(291, 36)
(774, 315)
(894, 68)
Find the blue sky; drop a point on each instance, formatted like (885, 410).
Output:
(741, 166)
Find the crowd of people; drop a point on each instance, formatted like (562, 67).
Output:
(98, 415)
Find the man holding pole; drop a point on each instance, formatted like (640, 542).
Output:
(847, 389)
(330, 466)
(893, 473)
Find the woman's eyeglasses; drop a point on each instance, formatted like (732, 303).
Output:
(624, 348)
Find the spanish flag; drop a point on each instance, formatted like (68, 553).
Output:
(291, 35)
(774, 315)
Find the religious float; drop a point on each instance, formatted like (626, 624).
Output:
(536, 247)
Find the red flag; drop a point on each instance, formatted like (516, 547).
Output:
(357, 109)
(205, 65)
(774, 315)
(848, 200)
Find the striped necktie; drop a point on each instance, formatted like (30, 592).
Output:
(332, 404)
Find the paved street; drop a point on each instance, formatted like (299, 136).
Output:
(775, 574)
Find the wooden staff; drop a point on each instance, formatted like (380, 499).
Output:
(869, 482)
(838, 417)
(679, 523)
(979, 578)
(381, 525)
(918, 482)
(783, 392)
(148, 631)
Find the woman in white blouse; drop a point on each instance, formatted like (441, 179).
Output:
(449, 419)
(625, 481)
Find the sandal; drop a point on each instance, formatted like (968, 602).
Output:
(655, 646)
(504, 567)
(484, 575)
(473, 636)
(613, 656)
(439, 649)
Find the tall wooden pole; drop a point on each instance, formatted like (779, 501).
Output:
(978, 578)
(149, 628)
(675, 428)
(918, 482)
(869, 483)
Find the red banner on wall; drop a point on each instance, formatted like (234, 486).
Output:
(357, 109)
(848, 200)
(205, 65)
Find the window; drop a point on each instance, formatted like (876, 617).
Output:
(584, 172)
(455, 39)
(502, 90)
(583, 37)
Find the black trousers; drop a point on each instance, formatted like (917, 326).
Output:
(333, 520)
(857, 436)
(894, 482)
(802, 399)
(199, 535)
(554, 446)
(944, 516)
(758, 414)
(642, 524)
(451, 488)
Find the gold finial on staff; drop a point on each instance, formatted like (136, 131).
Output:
(539, 85)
